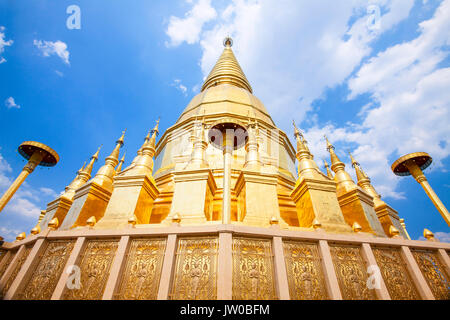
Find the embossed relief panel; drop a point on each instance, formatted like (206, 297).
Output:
(2, 254)
(351, 272)
(16, 269)
(395, 274)
(195, 272)
(7, 263)
(434, 272)
(46, 275)
(253, 273)
(142, 272)
(95, 263)
(304, 270)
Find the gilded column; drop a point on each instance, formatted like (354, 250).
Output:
(228, 145)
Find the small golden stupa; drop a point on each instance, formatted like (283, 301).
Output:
(218, 209)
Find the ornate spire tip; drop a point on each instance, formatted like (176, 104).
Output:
(227, 42)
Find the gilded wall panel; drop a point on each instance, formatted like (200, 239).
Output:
(304, 270)
(195, 272)
(95, 263)
(253, 272)
(7, 263)
(46, 275)
(16, 269)
(395, 274)
(434, 272)
(2, 254)
(142, 272)
(351, 273)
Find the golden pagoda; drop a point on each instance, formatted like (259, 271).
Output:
(217, 208)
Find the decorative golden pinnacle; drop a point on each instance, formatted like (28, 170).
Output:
(91, 221)
(132, 220)
(356, 227)
(393, 231)
(273, 220)
(53, 224)
(36, 230)
(176, 218)
(21, 236)
(428, 235)
(316, 224)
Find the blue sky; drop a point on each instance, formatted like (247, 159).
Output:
(377, 86)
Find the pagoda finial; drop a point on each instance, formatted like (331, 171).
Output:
(154, 132)
(360, 174)
(227, 70)
(334, 158)
(228, 42)
(296, 131)
(82, 168)
(364, 182)
(122, 137)
(119, 167)
(94, 158)
(155, 129)
(105, 174)
(302, 145)
(354, 162)
(76, 182)
(329, 174)
(114, 156)
(329, 145)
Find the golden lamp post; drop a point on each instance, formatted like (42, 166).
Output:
(37, 154)
(233, 137)
(413, 164)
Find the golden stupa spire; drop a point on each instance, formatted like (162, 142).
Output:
(360, 174)
(75, 182)
(144, 162)
(106, 173)
(227, 70)
(329, 174)
(342, 177)
(364, 182)
(88, 169)
(334, 158)
(302, 148)
(114, 156)
(119, 166)
(82, 168)
(152, 141)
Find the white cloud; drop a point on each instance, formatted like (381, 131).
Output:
(10, 103)
(4, 168)
(9, 234)
(177, 84)
(23, 207)
(292, 53)
(3, 43)
(57, 47)
(59, 73)
(48, 192)
(189, 28)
